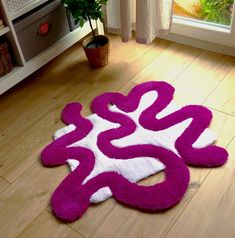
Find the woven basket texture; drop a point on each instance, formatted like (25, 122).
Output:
(97, 57)
(5, 59)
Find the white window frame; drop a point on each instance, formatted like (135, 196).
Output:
(206, 31)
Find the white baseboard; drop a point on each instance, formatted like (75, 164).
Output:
(200, 44)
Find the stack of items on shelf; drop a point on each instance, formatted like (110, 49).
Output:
(1, 24)
(5, 58)
(1, 21)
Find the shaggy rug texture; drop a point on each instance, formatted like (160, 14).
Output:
(129, 138)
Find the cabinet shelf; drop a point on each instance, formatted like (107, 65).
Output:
(20, 72)
(25, 68)
(4, 30)
(10, 74)
(29, 5)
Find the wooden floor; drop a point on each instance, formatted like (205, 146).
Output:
(30, 114)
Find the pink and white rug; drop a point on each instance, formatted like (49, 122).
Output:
(129, 138)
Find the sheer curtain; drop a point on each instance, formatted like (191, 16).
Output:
(148, 18)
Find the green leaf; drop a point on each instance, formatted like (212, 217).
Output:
(82, 10)
(81, 22)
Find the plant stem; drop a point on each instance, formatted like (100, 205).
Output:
(93, 32)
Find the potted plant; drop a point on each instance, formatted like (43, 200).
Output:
(96, 47)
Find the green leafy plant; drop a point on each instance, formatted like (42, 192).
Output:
(85, 10)
(217, 11)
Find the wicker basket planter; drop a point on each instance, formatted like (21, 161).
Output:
(5, 59)
(97, 57)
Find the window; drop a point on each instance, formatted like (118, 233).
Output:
(209, 20)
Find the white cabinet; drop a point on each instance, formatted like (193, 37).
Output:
(22, 68)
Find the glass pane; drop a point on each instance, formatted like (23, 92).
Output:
(215, 11)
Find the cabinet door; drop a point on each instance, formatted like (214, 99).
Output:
(208, 20)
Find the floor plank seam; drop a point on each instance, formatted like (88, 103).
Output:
(136, 59)
(142, 68)
(37, 160)
(92, 234)
(196, 58)
(5, 180)
(186, 205)
(8, 185)
(40, 119)
(30, 223)
(204, 101)
(46, 210)
(230, 141)
(226, 113)
(70, 226)
(181, 72)
(22, 174)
